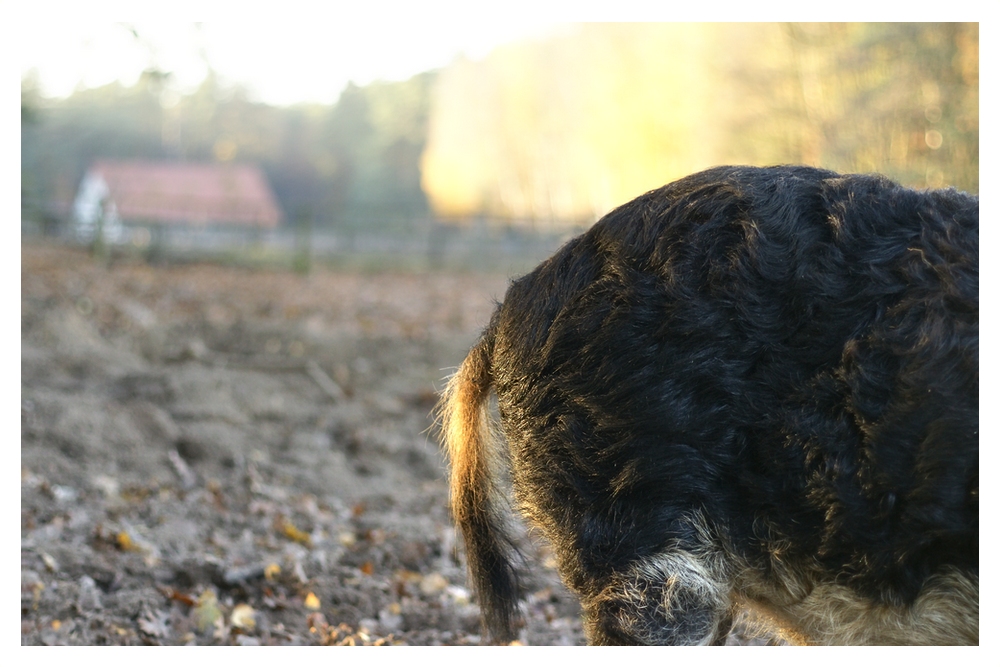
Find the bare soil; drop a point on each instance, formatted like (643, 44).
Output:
(214, 455)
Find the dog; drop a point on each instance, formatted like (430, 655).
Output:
(753, 390)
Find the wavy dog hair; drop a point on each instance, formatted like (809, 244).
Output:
(754, 390)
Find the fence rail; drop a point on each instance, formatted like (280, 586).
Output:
(421, 245)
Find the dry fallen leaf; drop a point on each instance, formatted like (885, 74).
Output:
(172, 594)
(243, 617)
(36, 594)
(206, 611)
(220, 631)
(317, 622)
(272, 571)
(50, 563)
(367, 567)
(293, 533)
(433, 583)
(125, 542)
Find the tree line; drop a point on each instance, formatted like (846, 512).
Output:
(571, 126)
(355, 160)
(562, 128)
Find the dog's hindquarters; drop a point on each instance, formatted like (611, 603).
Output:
(749, 388)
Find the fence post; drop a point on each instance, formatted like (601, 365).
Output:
(303, 242)
(99, 249)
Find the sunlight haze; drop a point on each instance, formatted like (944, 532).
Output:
(281, 63)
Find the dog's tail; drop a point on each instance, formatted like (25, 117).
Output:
(475, 500)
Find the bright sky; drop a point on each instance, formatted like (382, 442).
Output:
(283, 61)
(307, 50)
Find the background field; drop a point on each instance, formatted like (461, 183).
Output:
(186, 449)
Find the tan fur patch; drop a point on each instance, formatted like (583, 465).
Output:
(465, 425)
(946, 613)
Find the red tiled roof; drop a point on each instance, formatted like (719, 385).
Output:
(190, 193)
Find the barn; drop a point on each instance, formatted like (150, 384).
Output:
(139, 197)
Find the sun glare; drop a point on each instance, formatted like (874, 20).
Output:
(281, 63)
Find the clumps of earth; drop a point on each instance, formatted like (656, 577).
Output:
(217, 455)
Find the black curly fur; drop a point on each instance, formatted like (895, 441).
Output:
(788, 353)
